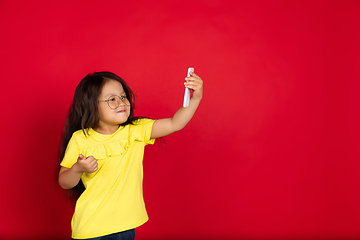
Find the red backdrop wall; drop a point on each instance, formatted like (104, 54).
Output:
(272, 152)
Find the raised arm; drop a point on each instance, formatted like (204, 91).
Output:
(166, 126)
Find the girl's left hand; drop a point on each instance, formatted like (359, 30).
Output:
(195, 83)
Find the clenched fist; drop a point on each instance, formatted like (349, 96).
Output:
(88, 165)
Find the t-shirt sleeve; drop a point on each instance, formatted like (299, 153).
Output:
(145, 126)
(71, 154)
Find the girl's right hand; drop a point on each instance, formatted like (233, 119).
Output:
(88, 165)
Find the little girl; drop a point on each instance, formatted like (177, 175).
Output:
(102, 151)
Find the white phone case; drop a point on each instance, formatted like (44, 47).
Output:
(187, 90)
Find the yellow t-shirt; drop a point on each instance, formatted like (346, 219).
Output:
(113, 199)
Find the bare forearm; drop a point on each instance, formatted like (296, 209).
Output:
(184, 115)
(70, 178)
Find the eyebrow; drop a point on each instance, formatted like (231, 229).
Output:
(113, 94)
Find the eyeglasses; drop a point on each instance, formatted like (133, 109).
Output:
(114, 101)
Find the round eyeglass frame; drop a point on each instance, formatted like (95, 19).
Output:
(119, 98)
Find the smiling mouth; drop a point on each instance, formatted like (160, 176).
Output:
(121, 111)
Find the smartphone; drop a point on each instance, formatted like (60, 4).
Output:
(187, 90)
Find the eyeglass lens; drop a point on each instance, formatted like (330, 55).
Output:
(115, 101)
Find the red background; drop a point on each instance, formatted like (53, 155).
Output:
(272, 152)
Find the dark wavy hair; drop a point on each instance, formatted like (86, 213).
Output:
(84, 114)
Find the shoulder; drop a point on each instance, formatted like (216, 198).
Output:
(79, 135)
(143, 121)
(141, 129)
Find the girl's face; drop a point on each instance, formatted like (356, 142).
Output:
(114, 107)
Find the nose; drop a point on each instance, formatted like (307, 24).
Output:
(121, 103)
